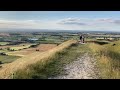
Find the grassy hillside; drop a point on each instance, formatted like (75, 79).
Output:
(25, 62)
(55, 65)
(51, 63)
(108, 57)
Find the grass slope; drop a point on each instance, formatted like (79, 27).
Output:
(108, 57)
(8, 70)
(55, 65)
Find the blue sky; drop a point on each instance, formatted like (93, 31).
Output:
(66, 20)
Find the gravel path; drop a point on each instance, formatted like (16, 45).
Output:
(82, 68)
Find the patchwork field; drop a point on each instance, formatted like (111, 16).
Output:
(8, 59)
(4, 43)
(24, 45)
(21, 46)
(8, 69)
(40, 48)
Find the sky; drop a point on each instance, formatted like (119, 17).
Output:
(61, 20)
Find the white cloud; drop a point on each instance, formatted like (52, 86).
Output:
(109, 20)
(67, 23)
(116, 21)
(17, 23)
(104, 20)
(73, 21)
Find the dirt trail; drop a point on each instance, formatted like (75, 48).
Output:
(82, 68)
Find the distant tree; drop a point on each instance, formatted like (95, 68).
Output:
(0, 62)
(24, 48)
(3, 53)
(34, 45)
(8, 48)
(12, 50)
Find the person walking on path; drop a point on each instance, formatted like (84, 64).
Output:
(82, 39)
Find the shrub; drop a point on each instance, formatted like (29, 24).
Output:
(3, 53)
(34, 45)
(8, 48)
(0, 62)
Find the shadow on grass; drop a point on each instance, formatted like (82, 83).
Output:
(101, 42)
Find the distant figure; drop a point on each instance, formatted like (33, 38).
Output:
(82, 39)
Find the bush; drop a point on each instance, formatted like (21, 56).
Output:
(24, 48)
(11, 49)
(0, 62)
(8, 48)
(34, 45)
(2, 53)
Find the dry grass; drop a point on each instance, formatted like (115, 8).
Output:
(41, 48)
(8, 69)
(108, 57)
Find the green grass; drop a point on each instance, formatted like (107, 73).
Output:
(54, 66)
(4, 43)
(8, 59)
(4, 50)
(20, 47)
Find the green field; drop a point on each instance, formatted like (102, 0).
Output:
(19, 47)
(4, 43)
(8, 59)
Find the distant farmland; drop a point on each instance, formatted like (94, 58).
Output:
(40, 48)
(32, 58)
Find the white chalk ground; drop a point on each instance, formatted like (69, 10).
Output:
(82, 68)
